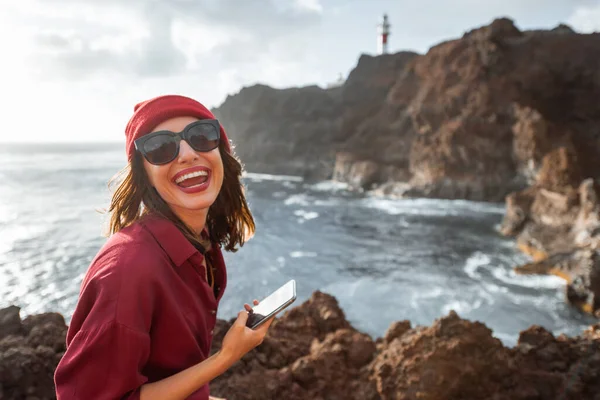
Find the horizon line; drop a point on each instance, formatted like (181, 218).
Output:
(64, 142)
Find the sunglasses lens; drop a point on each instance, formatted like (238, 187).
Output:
(203, 137)
(160, 149)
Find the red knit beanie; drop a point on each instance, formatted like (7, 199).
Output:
(148, 114)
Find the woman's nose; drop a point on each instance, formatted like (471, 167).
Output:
(186, 153)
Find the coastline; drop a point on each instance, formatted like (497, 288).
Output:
(313, 352)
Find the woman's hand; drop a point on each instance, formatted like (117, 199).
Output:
(240, 339)
(248, 307)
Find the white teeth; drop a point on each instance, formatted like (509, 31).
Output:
(191, 175)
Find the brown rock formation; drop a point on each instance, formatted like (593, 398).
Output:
(558, 225)
(299, 130)
(312, 352)
(497, 111)
(29, 353)
(452, 359)
(473, 118)
(490, 106)
(283, 131)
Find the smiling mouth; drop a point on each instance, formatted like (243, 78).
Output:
(192, 179)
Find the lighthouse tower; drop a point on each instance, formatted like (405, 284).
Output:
(383, 35)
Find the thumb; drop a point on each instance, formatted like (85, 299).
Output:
(242, 318)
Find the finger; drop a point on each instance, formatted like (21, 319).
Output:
(256, 302)
(248, 307)
(242, 318)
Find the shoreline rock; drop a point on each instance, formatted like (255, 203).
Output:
(29, 353)
(560, 230)
(312, 352)
(474, 118)
(498, 114)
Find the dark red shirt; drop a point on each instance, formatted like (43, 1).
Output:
(145, 312)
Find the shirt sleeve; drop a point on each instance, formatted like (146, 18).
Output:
(108, 341)
(103, 363)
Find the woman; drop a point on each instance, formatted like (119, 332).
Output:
(143, 325)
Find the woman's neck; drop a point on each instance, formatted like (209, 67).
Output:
(193, 219)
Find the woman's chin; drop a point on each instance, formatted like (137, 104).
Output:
(197, 205)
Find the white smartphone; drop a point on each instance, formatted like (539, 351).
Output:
(272, 304)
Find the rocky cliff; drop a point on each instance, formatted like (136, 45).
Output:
(498, 113)
(314, 353)
(473, 118)
(299, 131)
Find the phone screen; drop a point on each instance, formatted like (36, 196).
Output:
(271, 305)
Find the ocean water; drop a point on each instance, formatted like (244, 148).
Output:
(384, 260)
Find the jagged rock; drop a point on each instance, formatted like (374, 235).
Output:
(10, 322)
(299, 131)
(581, 270)
(560, 170)
(560, 230)
(29, 355)
(562, 367)
(473, 118)
(396, 330)
(285, 131)
(452, 359)
(312, 352)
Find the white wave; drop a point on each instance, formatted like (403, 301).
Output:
(297, 199)
(329, 186)
(435, 292)
(474, 262)
(461, 306)
(430, 207)
(289, 184)
(493, 288)
(301, 254)
(268, 177)
(331, 202)
(477, 206)
(529, 281)
(307, 215)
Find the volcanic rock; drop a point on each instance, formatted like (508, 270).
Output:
(473, 118)
(312, 352)
(29, 353)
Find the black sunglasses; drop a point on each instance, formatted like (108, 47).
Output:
(162, 147)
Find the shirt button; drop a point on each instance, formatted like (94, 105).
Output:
(212, 332)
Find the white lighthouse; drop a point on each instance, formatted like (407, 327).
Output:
(383, 35)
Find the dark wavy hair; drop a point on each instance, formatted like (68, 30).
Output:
(229, 220)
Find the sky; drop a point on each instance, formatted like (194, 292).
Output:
(72, 70)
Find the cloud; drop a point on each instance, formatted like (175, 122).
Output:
(161, 38)
(311, 5)
(76, 61)
(586, 19)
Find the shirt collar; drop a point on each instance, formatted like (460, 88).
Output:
(170, 238)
